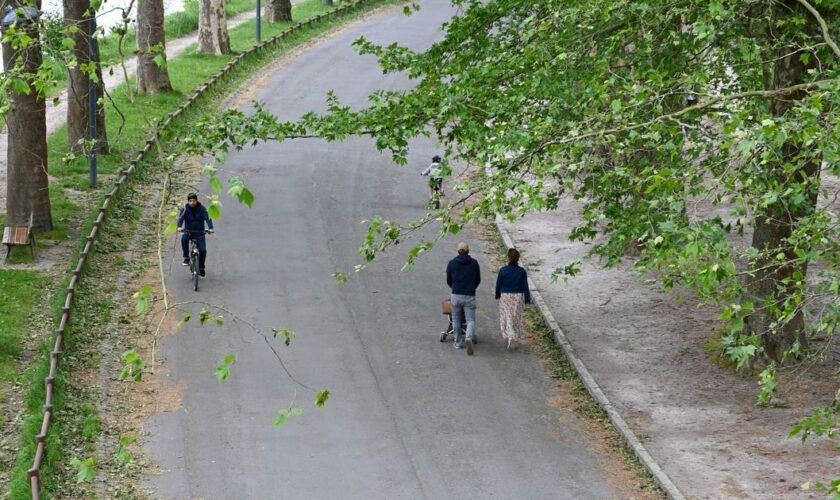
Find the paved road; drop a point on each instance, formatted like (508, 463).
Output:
(409, 417)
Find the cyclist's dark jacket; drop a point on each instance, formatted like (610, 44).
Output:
(463, 275)
(193, 218)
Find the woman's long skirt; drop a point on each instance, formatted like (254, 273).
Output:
(510, 315)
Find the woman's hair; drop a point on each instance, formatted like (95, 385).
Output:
(513, 256)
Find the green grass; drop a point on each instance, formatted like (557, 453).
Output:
(76, 424)
(20, 291)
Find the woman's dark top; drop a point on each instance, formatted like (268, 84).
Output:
(513, 279)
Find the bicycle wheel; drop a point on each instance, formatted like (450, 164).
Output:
(194, 265)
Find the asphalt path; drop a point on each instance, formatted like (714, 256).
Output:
(409, 417)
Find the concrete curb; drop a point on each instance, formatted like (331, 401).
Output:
(595, 391)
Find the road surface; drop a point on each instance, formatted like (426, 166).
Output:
(409, 417)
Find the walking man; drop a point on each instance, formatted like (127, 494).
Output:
(463, 277)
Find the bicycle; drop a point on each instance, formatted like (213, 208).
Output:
(193, 254)
(436, 185)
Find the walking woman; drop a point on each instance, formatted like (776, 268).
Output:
(512, 294)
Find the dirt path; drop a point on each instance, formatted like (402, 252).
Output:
(57, 114)
(645, 348)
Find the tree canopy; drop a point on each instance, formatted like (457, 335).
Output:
(697, 135)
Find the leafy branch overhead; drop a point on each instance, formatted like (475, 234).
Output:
(641, 110)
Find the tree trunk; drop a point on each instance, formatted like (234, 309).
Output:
(774, 281)
(27, 184)
(278, 10)
(212, 28)
(151, 44)
(75, 14)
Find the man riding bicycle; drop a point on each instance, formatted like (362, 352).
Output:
(191, 222)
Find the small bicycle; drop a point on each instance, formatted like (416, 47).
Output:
(193, 255)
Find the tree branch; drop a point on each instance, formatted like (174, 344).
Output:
(697, 107)
(823, 27)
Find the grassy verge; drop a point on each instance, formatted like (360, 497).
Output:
(20, 292)
(557, 367)
(175, 25)
(76, 426)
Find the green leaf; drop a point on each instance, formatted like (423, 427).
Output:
(339, 276)
(214, 210)
(86, 469)
(142, 305)
(186, 317)
(133, 368)
(122, 453)
(287, 334)
(20, 86)
(223, 369)
(142, 297)
(204, 316)
(284, 414)
(246, 197)
(216, 184)
(321, 398)
(240, 192)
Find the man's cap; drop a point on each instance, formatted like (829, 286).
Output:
(192, 196)
(463, 247)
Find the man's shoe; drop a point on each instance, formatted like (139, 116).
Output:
(459, 346)
(186, 261)
(470, 347)
(201, 272)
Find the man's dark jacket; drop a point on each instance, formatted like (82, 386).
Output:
(463, 275)
(193, 218)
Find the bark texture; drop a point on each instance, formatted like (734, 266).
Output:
(774, 281)
(151, 43)
(212, 28)
(75, 14)
(278, 10)
(27, 185)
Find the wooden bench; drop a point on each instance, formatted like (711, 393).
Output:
(19, 235)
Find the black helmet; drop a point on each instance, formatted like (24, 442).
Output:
(435, 159)
(192, 196)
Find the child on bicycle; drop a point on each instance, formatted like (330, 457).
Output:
(435, 174)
